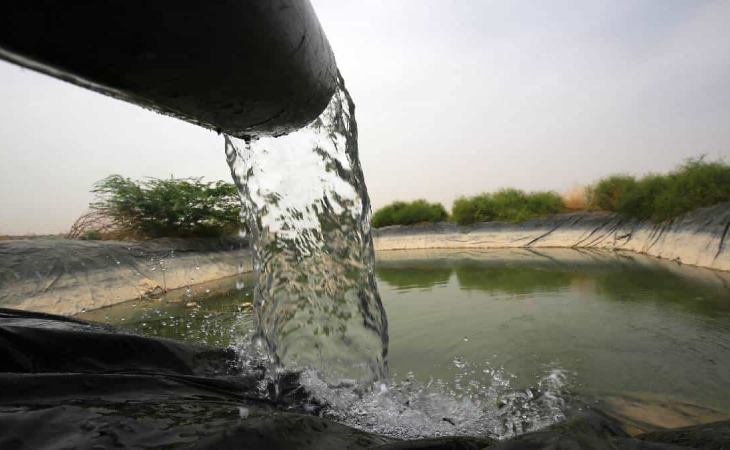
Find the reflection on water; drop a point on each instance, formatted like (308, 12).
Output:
(664, 288)
(422, 276)
(510, 280)
(617, 322)
(626, 277)
(473, 330)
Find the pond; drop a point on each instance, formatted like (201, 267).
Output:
(645, 338)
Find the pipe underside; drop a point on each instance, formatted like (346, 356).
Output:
(245, 68)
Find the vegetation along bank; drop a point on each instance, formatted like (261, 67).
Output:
(682, 216)
(697, 183)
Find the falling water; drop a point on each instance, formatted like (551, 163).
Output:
(316, 305)
(307, 208)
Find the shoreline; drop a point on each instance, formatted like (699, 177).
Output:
(67, 277)
(699, 238)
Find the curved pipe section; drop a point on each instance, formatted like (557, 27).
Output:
(255, 67)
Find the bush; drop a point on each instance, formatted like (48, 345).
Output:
(155, 208)
(604, 194)
(405, 213)
(637, 201)
(695, 184)
(508, 205)
(92, 235)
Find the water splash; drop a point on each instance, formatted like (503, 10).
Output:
(307, 208)
(479, 401)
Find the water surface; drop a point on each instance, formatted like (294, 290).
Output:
(535, 330)
(615, 322)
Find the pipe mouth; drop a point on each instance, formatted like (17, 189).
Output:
(260, 67)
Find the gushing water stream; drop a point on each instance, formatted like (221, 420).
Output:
(316, 306)
(307, 208)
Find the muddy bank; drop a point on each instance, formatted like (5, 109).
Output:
(67, 276)
(698, 238)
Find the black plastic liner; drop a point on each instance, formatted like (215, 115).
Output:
(70, 384)
(66, 383)
(68, 276)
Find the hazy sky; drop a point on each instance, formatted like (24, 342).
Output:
(453, 97)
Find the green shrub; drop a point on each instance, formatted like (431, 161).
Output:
(409, 213)
(507, 205)
(92, 235)
(154, 208)
(695, 184)
(638, 200)
(604, 194)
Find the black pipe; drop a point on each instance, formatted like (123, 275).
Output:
(243, 67)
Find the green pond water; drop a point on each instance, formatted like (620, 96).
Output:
(613, 323)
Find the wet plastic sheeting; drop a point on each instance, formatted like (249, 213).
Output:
(71, 384)
(66, 384)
